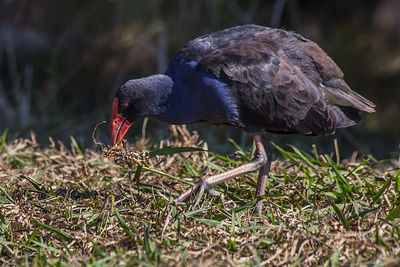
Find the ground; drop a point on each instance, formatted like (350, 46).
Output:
(114, 206)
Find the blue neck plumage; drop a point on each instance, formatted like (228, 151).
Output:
(198, 96)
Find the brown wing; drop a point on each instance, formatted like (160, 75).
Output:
(282, 81)
(272, 93)
(321, 69)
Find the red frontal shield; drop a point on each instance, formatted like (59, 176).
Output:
(119, 124)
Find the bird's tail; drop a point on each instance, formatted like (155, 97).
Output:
(337, 92)
(349, 99)
(362, 103)
(345, 116)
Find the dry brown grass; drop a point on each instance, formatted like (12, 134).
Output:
(61, 205)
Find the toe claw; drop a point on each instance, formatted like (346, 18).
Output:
(196, 190)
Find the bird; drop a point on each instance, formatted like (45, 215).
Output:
(256, 78)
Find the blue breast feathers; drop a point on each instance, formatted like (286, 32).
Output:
(198, 96)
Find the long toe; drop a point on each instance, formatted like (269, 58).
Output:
(197, 190)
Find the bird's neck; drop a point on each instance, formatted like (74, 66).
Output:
(198, 96)
(155, 90)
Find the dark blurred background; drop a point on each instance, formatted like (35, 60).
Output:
(62, 61)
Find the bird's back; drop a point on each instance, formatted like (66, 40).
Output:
(281, 81)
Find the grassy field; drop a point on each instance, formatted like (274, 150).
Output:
(62, 206)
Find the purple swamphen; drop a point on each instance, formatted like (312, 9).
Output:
(251, 77)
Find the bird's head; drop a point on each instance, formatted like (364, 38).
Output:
(139, 98)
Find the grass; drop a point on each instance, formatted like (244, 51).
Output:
(64, 206)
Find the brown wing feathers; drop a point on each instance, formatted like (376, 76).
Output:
(282, 81)
(319, 67)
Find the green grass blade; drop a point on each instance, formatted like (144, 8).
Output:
(18, 160)
(213, 165)
(58, 232)
(225, 159)
(208, 222)
(378, 240)
(363, 212)
(240, 152)
(76, 146)
(334, 259)
(381, 191)
(359, 167)
(138, 172)
(2, 189)
(314, 151)
(306, 158)
(98, 250)
(167, 175)
(123, 224)
(35, 184)
(337, 171)
(397, 179)
(40, 174)
(50, 248)
(286, 154)
(192, 171)
(297, 262)
(32, 236)
(189, 214)
(234, 220)
(169, 150)
(3, 140)
(393, 214)
(341, 216)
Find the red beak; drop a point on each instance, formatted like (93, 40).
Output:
(119, 125)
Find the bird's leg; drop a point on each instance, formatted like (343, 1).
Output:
(206, 184)
(263, 176)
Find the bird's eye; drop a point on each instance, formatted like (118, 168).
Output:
(124, 106)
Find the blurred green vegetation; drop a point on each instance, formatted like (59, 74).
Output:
(62, 61)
